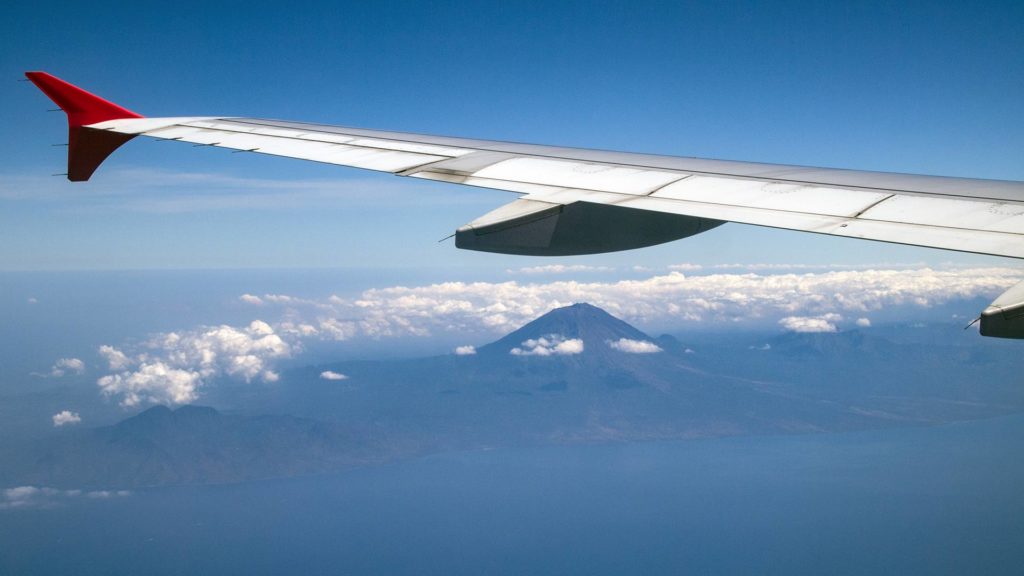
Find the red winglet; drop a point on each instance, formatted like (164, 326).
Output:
(87, 148)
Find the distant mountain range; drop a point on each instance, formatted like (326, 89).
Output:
(193, 444)
(576, 374)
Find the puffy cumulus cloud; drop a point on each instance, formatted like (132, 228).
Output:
(70, 365)
(336, 329)
(559, 269)
(65, 417)
(550, 345)
(823, 323)
(634, 346)
(685, 267)
(46, 497)
(154, 382)
(251, 299)
(864, 322)
(332, 375)
(64, 366)
(172, 367)
(116, 360)
(465, 350)
(298, 329)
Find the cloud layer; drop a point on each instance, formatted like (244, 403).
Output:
(172, 368)
(667, 300)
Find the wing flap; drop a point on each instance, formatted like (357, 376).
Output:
(772, 195)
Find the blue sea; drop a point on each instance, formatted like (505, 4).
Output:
(936, 500)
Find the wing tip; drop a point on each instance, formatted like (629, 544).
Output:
(87, 149)
(82, 107)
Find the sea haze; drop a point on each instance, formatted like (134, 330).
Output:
(938, 500)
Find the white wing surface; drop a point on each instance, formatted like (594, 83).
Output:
(983, 216)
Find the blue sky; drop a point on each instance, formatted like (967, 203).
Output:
(923, 87)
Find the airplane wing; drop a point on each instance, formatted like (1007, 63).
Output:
(579, 201)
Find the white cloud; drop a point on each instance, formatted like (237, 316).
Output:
(46, 497)
(116, 360)
(176, 365)
(559, 269)
(864, 322)
(634, 346)
(331, 375)
(250, 299)
(63, 366)
(550, 345)
(466, 350)
(25, 496)
(65, 417)
(685, 267)
(105, 494)
(823, 323)
(33, 301)
(154, 382)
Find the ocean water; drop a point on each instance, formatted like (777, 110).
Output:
(940, 500)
